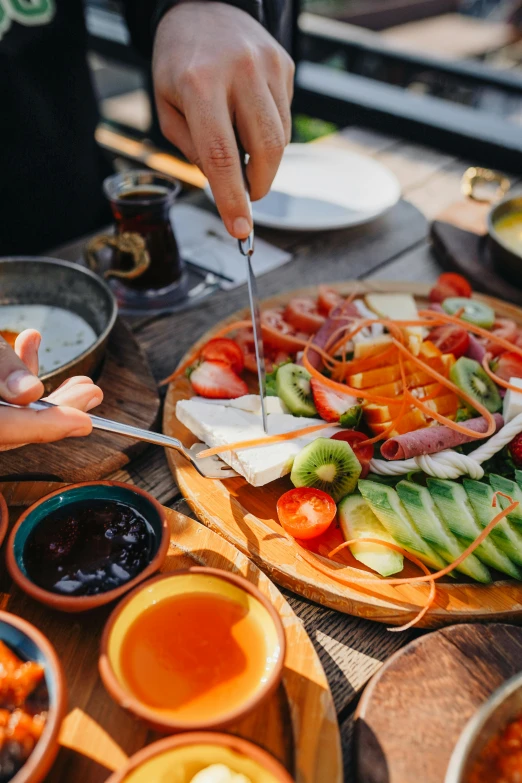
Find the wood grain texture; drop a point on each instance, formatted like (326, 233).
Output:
(247, 516)
(413, 711)
(131, 396)
(297, 725)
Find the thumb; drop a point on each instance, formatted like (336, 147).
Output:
(17, 382)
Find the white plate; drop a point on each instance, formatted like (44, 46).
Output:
(319, 187)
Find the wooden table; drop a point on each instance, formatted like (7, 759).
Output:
(393, 248)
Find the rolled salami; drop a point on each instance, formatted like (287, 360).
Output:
(431, 440)
(342, 315)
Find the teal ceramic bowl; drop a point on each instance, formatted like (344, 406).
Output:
(132, 496)
(29, 644)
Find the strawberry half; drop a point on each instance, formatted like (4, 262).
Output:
(217, 380)
(330, 404)
(515, 449)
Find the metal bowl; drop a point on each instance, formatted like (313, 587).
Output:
(508, 261)
(503, 706)
(48, 281)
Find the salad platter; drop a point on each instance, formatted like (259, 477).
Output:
(389, 482)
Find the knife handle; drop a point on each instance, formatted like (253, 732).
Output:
(246, 246)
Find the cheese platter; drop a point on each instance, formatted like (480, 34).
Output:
(388, 484)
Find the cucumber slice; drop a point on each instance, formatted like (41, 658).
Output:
(357, 520)
(475, 312)
(387, 507)
(453, 505)
(501, 484)
(419, 504)
(506, 537)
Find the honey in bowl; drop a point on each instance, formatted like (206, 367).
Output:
(197, 655)
(509, 229)
(195, 649)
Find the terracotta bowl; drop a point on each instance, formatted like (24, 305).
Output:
(92, 490)
(4, 518)
(503, 706)
(194, 580)
(30, 644)
(187, 754)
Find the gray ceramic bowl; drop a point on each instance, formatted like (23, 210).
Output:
(507, 259)
(48, 281)
(504, 705)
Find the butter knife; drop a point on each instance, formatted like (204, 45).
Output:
(246, 248)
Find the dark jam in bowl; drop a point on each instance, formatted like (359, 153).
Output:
(89, 548)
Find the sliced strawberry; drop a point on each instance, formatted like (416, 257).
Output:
(515, 449)
(330, 404)
(217, 380)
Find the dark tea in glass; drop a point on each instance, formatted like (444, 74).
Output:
(141, 202)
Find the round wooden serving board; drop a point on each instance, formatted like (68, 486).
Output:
(298, 725)
(247, 517)
(130, 396)
(413, 711)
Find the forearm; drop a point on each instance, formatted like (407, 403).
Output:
(143, 17)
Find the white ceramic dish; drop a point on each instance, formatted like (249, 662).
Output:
(319, 188)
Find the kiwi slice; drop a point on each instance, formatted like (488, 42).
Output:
(293, 386)
(469, 376)
(329, 465)
(474, 312)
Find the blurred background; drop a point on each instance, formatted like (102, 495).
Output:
(444, 72)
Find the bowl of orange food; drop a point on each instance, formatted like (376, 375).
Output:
(489, 749)
(202, 757)
(32, 701)
(191, 650)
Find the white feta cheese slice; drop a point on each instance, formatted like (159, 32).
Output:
(512, 401)
(220, 425)
(250, 403)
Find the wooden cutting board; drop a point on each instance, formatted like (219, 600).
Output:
(298, 724)
(247, 517)
(413, 710)
(130, 396)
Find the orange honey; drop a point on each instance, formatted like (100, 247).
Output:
(198, 656)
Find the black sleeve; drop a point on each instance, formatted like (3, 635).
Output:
(143, 17)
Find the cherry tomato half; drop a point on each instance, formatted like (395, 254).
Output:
(505, 328)
(450, 339)
(363, 453)
(450, 284)
(279, 334)
(223, 349)
(245, 339)
(328, 299)
(306, 512)
(303, 315)
(508, 365)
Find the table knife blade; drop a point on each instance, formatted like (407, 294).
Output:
(246, 248)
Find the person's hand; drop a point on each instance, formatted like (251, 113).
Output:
(19, 385)
(216, 69)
